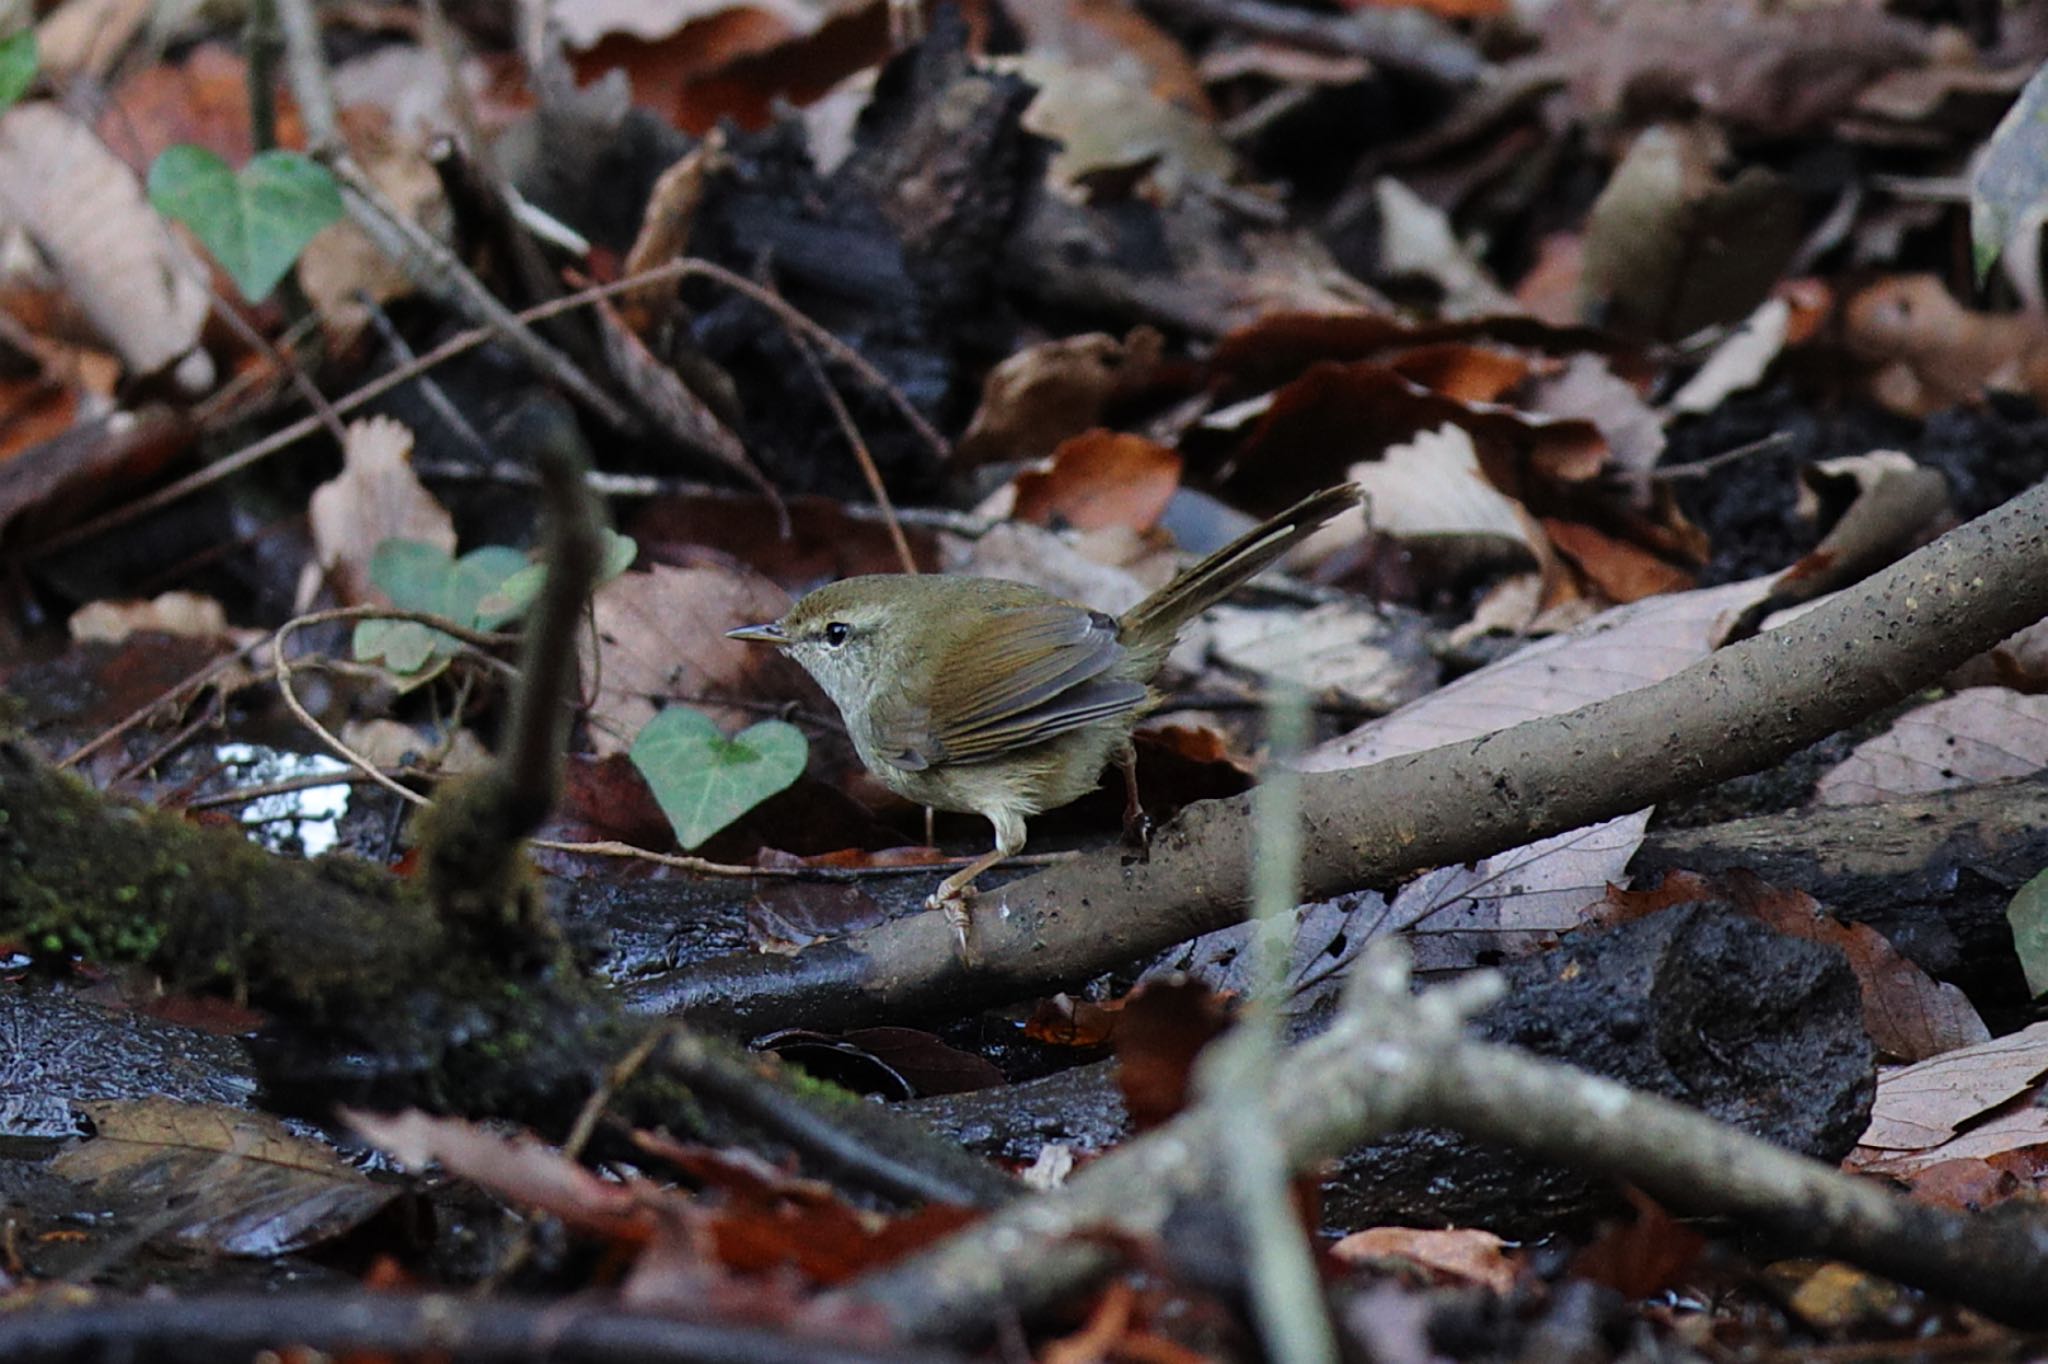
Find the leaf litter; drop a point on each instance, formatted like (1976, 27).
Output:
(1148, 275)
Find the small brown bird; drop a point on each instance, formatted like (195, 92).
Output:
(1000, 699)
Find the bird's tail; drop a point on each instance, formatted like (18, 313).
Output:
(1155, 621)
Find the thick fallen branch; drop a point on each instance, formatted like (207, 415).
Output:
(1395, 1060)
(1739, 710)
(443, 1326)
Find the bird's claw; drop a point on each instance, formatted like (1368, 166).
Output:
(959, 917)
(1138, 831)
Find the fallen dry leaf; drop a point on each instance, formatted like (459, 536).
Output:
(1984, 734)
(170, 613)
(1932, 352)
(1100, 479)
(1048, 393)
(376, 497)
(1922, 1107)
(85, 211)
(1671, 248)
(1462, 1254)
(660, 635)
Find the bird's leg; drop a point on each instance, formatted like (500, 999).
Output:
(955, 893)
(1137, 824)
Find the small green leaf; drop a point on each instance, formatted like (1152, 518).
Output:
(518, 591)
(2009, 188)
(18, 60)
(405, 646)
(2028, 915)
(703, 780)
(255, 222)
(421, 577)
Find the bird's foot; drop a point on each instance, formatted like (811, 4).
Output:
(1138, 831)
(955, 902)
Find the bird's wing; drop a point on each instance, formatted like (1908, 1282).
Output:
(1048, 664)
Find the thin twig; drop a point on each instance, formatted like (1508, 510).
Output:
(199, 677)
(211, 715)
(861, 454)
(704, 867)
(430, 388)
(429, 264)
(294, 373)
(282, 666)
(307, 781)
(459, 344)
(1698, 468)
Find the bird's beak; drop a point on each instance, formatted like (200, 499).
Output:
(771, 633)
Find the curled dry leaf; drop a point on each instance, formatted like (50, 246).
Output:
(1464, 1254)
(1672, 249)
(1098, 480)
(1931, 352)
(665, 227)
(1985, 734)
(1924, 1109)
(376, 497)
(85, 211)
(1053, 391)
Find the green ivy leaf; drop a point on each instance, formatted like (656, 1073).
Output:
(18, 62)
(2009, 188)
(421, 577)
(2028, 916)
(518, 591)
(703, 780)
(255, 222)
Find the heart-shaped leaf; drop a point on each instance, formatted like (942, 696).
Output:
(255, 222)
(703, 780)
(421, 577)
(18, 59)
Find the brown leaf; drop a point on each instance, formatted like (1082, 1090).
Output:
(1623, 572)
(1163, 1028)
(203, 100)
(1051, 392)
(140, 287)
(1671, 248)
(1098, 480)
(231, 1182)
(1908, 1014)
(1643, 1256)
(520, 1169)
(1461, 1254)
(376, 497)
(1932, 352)
(661, 634)
(1921, 1107)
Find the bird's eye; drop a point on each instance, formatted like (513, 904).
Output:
(836, 633)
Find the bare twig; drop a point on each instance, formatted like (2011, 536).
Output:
(429, 264)
(861, 454)
(459, 344)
